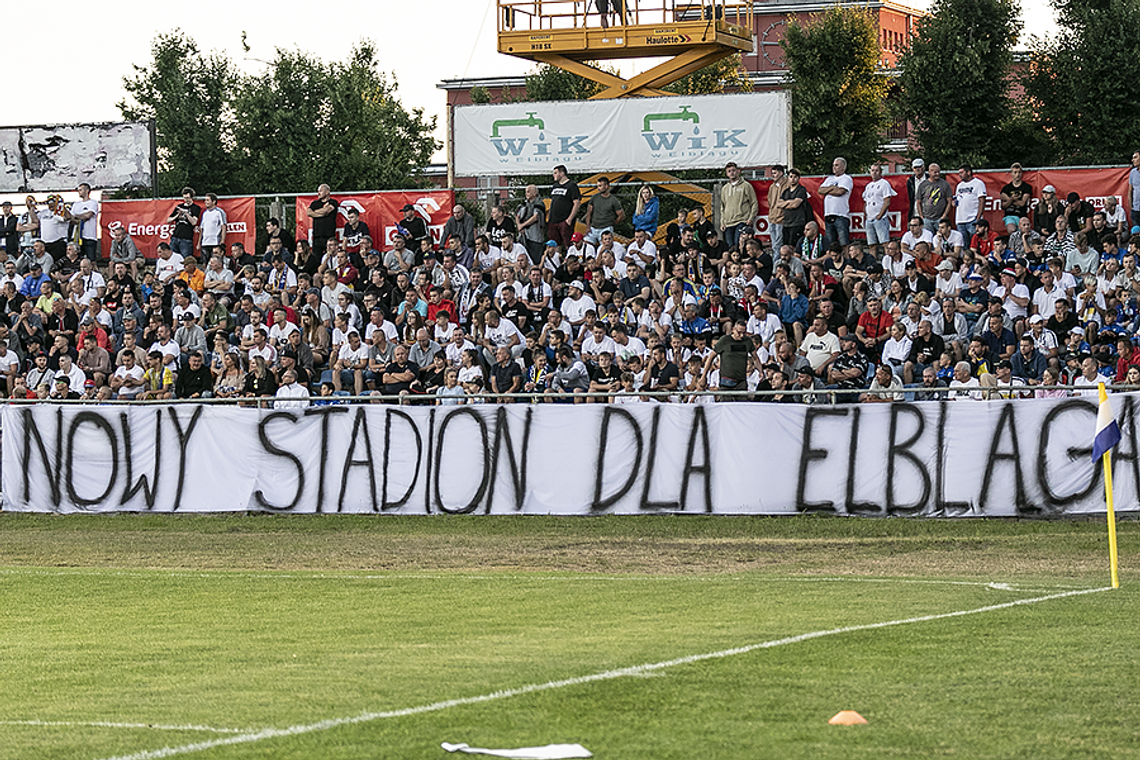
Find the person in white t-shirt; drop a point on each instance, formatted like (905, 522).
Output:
(84, 212)
(969, 202)
(948, 241)
(9, 366)
(642, 249)
(127, 381)
(876, 204)
(576, 304)
(291, 394)
(500, 333)
(168, 264)
(915, 234)
(948, 283)
(1014, 295)
(820, 347)
(596, 343)
(965, 386)
(836, 192)
(212, 224)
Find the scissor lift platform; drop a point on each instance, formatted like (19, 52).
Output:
(569, 34)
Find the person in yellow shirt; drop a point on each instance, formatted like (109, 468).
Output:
(192, 275)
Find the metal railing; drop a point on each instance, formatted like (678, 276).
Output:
(831, 396)
(540, 15)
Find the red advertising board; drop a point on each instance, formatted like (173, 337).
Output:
(381, 212)
(1091, 184)
(146, 222)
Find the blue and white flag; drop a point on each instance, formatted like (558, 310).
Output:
(1107, 431)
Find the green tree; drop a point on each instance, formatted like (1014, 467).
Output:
(187, 95)
(955, 77)
(298, 123)
(837, 89)
(726, 74)
(1080, 82)
(302, 122)
(549, 82)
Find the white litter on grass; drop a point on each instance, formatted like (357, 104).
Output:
(548, 752)
(367, 717)
(1000, 586)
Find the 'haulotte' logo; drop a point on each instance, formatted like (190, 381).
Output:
(671, 142)
(539, 147)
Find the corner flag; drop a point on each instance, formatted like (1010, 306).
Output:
(1107, 436)
(1107, 431)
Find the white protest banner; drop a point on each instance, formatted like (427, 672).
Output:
(646, 134)
(1000, 458)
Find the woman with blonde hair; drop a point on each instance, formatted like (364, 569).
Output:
(648, 209)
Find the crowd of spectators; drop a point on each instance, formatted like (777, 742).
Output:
(528, 303)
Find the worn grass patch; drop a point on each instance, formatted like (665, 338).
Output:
(610, 544)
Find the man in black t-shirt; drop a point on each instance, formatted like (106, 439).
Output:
(184, 217)
(400, 373)
(733, 350)
(794, 201)
(322, 212)
(565, 200)
(506, 375)
(274, 230)
(663, 374)
(498, 225)
(1015, 198)
(604, 378)
(413, 226)
(515, 310)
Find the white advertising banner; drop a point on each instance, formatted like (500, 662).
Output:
(697, 132)
(1029, 457)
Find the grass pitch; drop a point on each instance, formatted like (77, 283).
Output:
(343, 637)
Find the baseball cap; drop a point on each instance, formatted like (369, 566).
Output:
(1048, 189)
(551, 244)
(88, 383)
(945, 266)
(187, 316)
(848, 338)
(975, 276)
(1009, 271)
(917, 163)
(87, 320)
(36, 265)
(910, 265)
(408, 207)
(577, 284)
(1076, 331)
(1036, 319)
(577, 237)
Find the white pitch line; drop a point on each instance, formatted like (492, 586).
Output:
(112, 724)
(636, 670)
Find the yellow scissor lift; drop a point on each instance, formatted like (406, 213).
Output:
(570, 34)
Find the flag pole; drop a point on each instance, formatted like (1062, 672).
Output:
(1106, 458)
(1112, 557)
